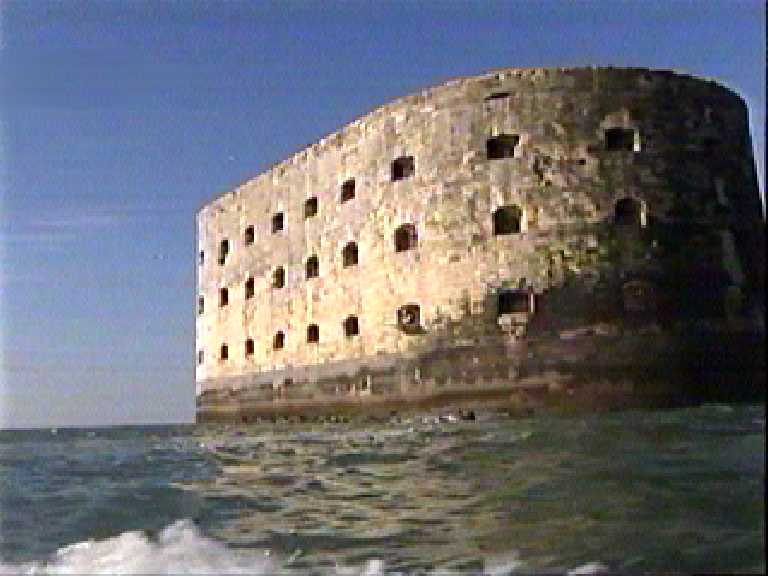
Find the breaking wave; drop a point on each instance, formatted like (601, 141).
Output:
(182, 549)
(178, 549)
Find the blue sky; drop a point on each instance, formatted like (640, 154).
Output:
(119, 119)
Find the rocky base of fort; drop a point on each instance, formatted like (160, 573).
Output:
(593, 368)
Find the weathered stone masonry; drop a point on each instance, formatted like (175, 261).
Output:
(481, 234)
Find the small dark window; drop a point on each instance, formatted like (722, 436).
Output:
(200, 356)
(502, 146)
(639, 296)
(348, 190)
(250, 235)
(200, 304)
(250, 288)
(313, 333)
(224, 355)
(278, 342)
(249, 347)
(617, 139)
(627, 212)
(223, 251)
(349, 254)
(711, 143)
(202, 257)
(402, 168)
(310, 207)
(507, 220)
(278, 277)
(312, 267)
(513, 301)
(406, 238)
(409, 317)
(497, 96)
(223, 297)
(351, 327)
(277, 222)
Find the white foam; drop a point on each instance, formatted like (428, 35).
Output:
(589, 568)
(179, 549)
(503, 565)
(182, 549)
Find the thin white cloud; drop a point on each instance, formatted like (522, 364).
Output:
(9, 368)
(32, 227)
(39, 237)
(77, 222)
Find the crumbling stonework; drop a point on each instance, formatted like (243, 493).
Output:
(519, 231)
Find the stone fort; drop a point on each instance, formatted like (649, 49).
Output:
(547, 236)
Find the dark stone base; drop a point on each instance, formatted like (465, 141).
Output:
(600, 367)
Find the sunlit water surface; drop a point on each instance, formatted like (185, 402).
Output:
(622, 492)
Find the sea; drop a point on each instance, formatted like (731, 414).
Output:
(623, 492)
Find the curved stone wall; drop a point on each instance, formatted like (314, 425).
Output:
(422, 245)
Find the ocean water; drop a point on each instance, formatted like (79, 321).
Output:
(679, 490)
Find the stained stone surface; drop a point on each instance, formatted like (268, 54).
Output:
(584, 232)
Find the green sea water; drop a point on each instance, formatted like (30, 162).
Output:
(634, 492)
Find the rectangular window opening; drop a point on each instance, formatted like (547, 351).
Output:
(277, 222)
(348, 190)
(312, 267)
(223, 251)
(502, 146)
(620, 139)
(513, 302)
(278, 277)
(497, 96)
(310, 207)
(351, 326)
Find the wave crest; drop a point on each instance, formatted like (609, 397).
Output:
(179, 548)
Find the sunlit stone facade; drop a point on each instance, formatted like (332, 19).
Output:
(480, 236)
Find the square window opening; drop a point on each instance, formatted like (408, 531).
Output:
(403, 167)
(409, 318)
